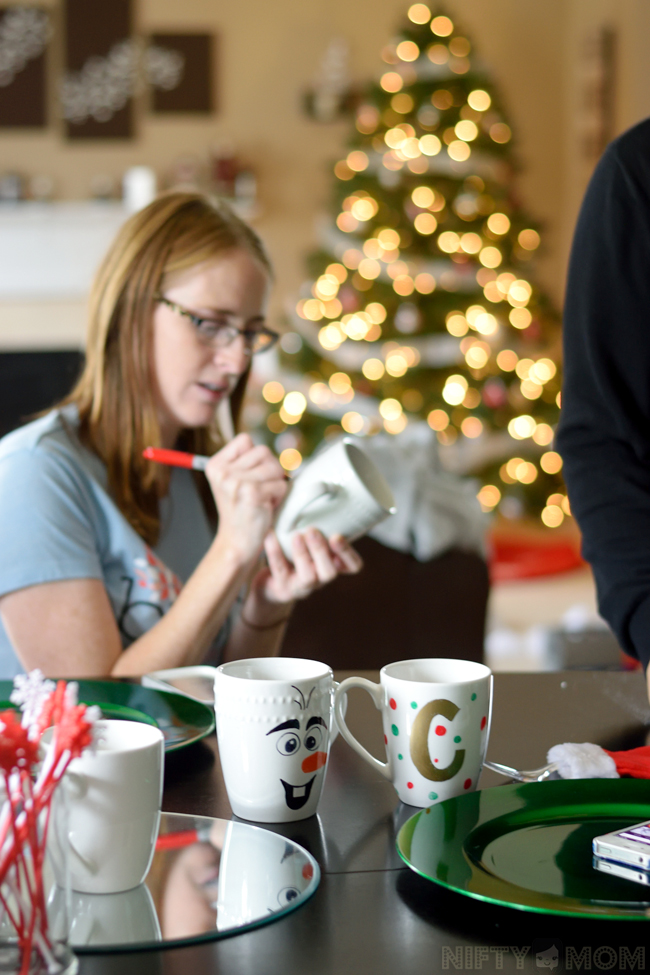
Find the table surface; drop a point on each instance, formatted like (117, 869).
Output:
(371, 914)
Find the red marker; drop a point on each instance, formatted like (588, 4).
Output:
(185, 837)
(176, 458)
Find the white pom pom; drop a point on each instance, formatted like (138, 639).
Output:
(582, 761)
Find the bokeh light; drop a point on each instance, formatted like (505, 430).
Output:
(373, 369)
(419, 13)
(489, 497)
(423, 196)
(490, 257)
(290, 459)
(500, 132)
(551, 462)
(498, 223)
(529, 240)
(466, 130)
(424, 283)
(479, 100)
(273, 392)
(454, 390)
(357, 161)
(390, 409)
(471, 427)
(352, 422)
(430, 145)
(442, 26)
(408, 51)
(392, 82)
(520, 318)
(459, 151)
(522, 427)
(425, 223)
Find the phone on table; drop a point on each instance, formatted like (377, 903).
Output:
(630, 845)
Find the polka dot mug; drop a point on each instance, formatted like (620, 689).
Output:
(436, 717)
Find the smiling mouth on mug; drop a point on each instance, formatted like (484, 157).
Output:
(297, 795)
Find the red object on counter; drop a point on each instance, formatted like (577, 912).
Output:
(525, 559)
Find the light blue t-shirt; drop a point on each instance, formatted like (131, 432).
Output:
(58, 521)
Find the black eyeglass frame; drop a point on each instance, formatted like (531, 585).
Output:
(231, 331)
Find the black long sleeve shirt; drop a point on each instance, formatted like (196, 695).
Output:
(604, 431)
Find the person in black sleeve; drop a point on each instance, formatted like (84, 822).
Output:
(604, 430)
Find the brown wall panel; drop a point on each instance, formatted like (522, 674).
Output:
(92, 29)
(195, 92)
(23, 99)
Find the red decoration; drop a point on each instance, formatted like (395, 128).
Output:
(25, 813)
(519, 559)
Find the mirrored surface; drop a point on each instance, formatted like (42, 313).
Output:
(209, 878)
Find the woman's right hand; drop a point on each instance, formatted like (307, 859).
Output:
(248, 484)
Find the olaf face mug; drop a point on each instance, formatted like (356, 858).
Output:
(436, 717)
(274, 720)
(339, 491)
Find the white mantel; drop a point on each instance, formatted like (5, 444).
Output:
(49, 253)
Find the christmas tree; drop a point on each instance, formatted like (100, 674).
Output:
(420, 303)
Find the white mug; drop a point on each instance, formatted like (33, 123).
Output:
(274, 721)
(436, 716)
(339, 491)
(114, 794)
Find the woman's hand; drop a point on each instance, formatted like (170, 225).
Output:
(315, 563)
(248, 484)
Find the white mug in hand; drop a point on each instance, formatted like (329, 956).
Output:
(436, 717)
(274, 728)
(339, 491)
(114, 795)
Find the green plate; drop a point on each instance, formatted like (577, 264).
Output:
(529, 846)
(181, 719)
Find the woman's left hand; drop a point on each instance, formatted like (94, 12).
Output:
(316, 561)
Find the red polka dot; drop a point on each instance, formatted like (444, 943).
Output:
(440, 729)
(483, 723)
(409, 785)
(435, 759)
(393, 703)
(467, 784)
(308, 871)
(385, 739)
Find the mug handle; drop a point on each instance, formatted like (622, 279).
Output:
(376, 692)
(315, 491)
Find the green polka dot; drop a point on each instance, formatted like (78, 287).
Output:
(394, 729)
(400, 757)
(457, 739)
(414, 705)
(473, 697)
(433, 796)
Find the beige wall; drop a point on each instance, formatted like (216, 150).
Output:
(269, 52)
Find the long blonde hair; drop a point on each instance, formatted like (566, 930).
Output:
(114, 395)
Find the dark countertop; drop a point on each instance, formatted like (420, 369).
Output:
(371, 913)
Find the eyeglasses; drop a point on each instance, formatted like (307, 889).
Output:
(219, 334)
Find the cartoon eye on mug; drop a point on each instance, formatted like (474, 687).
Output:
(288, 744)
(287, 894)
(314, 738)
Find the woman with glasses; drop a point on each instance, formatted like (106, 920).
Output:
(109, 563)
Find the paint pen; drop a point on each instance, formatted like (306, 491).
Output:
(176, 458)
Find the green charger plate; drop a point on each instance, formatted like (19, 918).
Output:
(182, 720)
(529, 846)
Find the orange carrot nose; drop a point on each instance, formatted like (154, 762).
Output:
(313, 762)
